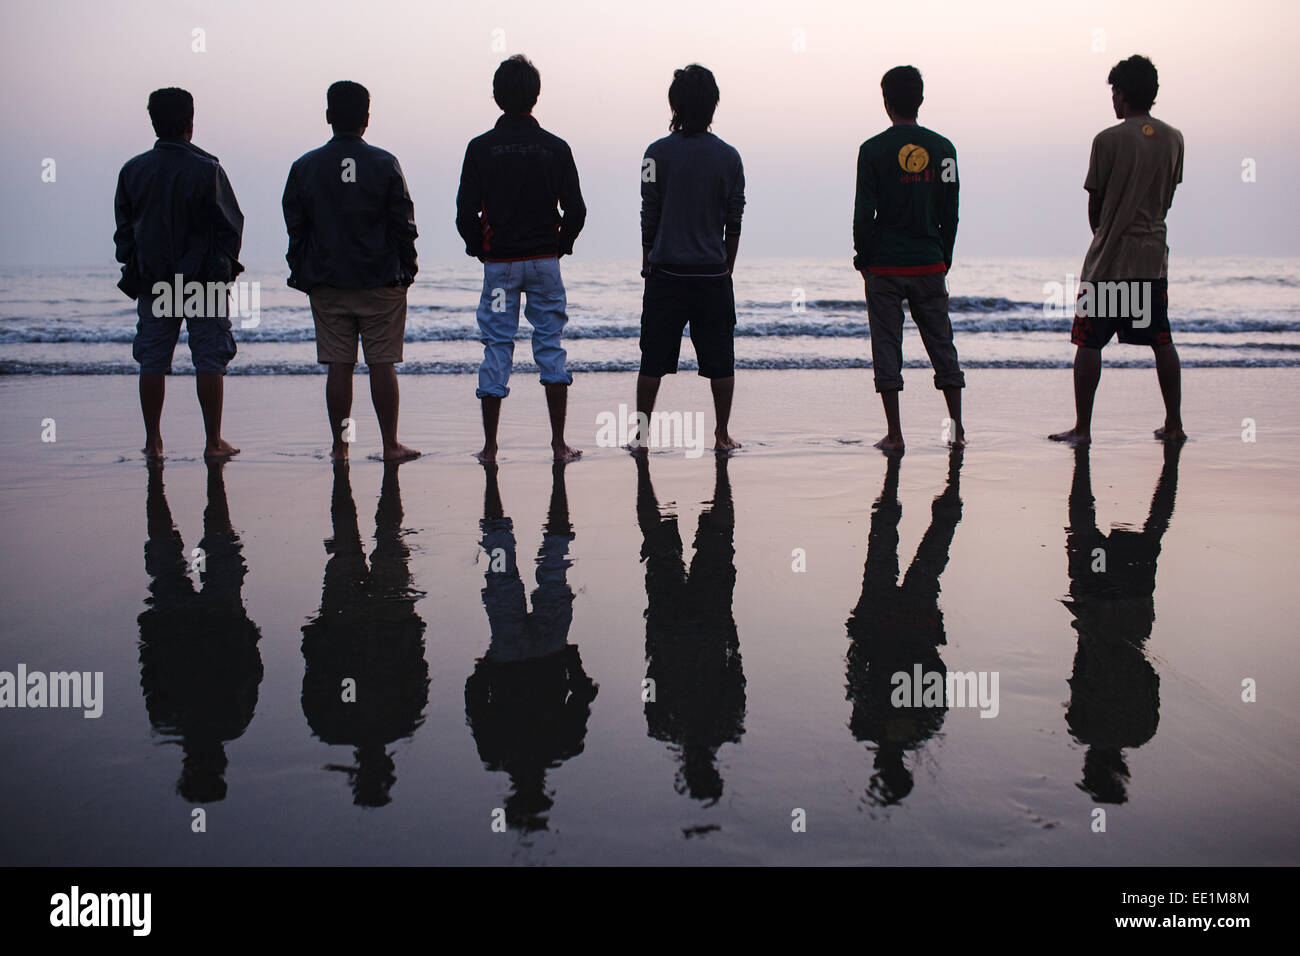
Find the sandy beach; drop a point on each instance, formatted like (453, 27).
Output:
(500, 629)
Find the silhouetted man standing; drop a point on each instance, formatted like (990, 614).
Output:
(516, 179)
(904, 230)
(692, 200)
(352, 236)
(178, 223)
(1132, 173)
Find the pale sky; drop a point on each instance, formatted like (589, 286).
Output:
(1017, 86)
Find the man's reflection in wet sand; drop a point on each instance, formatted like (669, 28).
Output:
(528, 700)
(1114, 690)
(368, 633)
(200, 668)
(692, 648)
(895, 628)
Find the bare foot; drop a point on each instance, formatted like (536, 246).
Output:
(487, 455)
(725, 442)
(1171, 433)
(339, 452)
(564, 452)
(400, 452)
(153, 450)
(890, 444)
(1074, 438)
(222, 449)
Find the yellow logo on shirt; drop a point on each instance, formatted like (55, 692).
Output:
(1148, 129)
(913, 158)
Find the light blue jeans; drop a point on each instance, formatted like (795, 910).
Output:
(498, 321)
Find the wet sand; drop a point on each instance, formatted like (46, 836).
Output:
(500, 624)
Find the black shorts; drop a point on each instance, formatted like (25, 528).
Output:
(1111, 310)
(707, 305)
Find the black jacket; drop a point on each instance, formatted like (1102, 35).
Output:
(176, 213)
(512, 178)
(350, 218)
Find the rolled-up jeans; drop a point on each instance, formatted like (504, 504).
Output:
(498, 321)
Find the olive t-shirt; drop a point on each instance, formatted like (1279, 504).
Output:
(1134, 168)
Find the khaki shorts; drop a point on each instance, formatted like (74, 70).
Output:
(377, 315)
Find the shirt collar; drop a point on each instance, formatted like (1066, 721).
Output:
(516, 119)
(178, 143)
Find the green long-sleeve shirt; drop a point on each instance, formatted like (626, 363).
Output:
(905, 216)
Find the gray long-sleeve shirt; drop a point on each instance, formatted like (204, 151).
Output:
(692, 197)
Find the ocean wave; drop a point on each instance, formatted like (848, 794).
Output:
(745, 328)
(9, 367)
(1284, 281)
(956, 303)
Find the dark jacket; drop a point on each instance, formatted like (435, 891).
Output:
(905, 216)
(176, 213)
(512, 178)
(350, 218)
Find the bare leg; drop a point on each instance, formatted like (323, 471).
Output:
(557, 402)
(153, 388)
(892, 443)
(723, 390)
(491, 418)
(211, 389)
(1169, 372)
(647, 390)
(338, 404)
(952, 395)
(1087, 373)
(384, 395)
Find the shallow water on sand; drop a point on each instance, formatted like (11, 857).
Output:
(500, 625)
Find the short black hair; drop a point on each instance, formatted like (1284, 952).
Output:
(693, 96)
(171, 110)
(1137, 79)
(348, 104)
(516, 85)
(904, 90)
